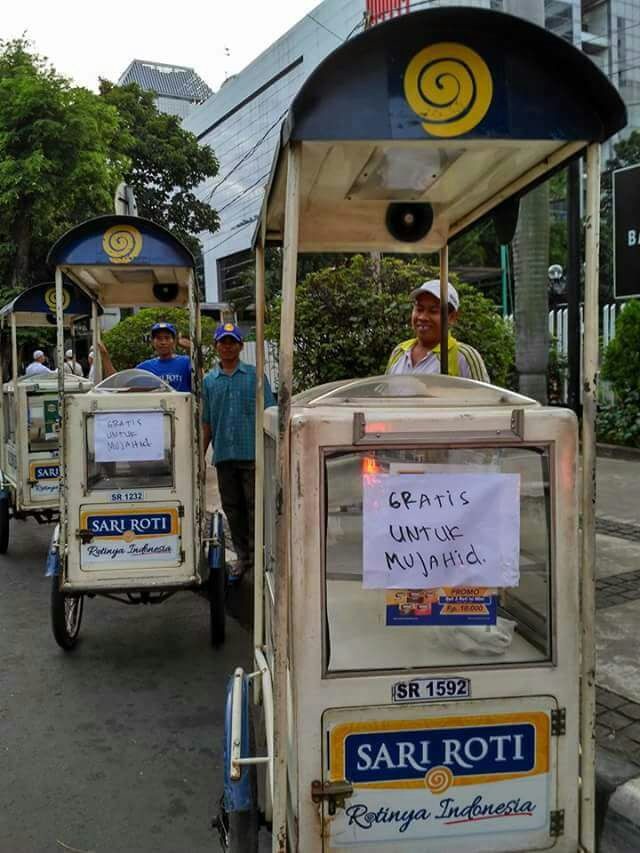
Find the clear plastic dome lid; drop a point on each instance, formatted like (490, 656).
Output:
(411, 389)
(133, 381)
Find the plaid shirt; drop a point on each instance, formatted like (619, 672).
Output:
(229, 408)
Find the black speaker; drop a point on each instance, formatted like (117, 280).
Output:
(505, 219)
(165, 292)
(409, 221)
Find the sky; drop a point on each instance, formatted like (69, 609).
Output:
(86, 40)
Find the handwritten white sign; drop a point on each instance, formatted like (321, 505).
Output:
(422, 531)
(129, 437)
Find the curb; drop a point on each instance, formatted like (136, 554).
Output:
(617, 451)
(617, 803)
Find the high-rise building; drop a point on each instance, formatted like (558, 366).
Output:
(242, 121)
(178, 89)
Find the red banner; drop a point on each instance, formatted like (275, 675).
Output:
(382, 10)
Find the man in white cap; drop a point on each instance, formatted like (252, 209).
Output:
(37, 365)
(421, 354)
(71, 365)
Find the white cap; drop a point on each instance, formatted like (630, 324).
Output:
(433, 287)
(68, 354)
(37, 353)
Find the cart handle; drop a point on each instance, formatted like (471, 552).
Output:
(236, 760)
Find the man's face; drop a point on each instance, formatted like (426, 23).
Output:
(425, 319)
(164, 344)
(228, 349)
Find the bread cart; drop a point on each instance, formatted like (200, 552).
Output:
(29, 423)
(424, 664)
(132, 525)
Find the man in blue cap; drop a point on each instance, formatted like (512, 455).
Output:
(174, 369)
(228, 422)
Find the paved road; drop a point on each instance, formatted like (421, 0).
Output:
(116, 747)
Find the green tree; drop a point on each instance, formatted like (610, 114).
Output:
(348, 319)
(129, 342)
(60, 161)
(621, 363)
(166, 164)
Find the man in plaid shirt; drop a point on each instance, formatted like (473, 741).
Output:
(228, 422)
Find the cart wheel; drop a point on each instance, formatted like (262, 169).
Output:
(4, 522)
(243, 827)
(66, 616)
(217, 582)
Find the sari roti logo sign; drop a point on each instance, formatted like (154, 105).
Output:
(43, 471)
(128, 526)
(404, 756)
(138, 535)
(442, 776)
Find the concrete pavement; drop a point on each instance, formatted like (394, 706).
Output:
(618, 658)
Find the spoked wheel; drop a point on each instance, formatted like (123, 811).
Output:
(5, 521)
(217, 581)
(66, 616)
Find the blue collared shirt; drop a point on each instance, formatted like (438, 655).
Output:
(229, 408)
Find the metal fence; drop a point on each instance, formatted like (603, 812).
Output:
(558, 329)
(270, 360)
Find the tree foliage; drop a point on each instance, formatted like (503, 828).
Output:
(60, 161)
(349, 318)
(166, 163)
(621, 363)
(129, 342)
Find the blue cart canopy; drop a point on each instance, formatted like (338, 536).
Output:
(36, 306)
(125, 261)
(453, 111)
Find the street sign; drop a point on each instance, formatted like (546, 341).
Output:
(626, 232)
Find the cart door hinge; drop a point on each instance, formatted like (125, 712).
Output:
(181, 511)
(182, 556)
(84, 535)
(559, 721)
(556, 823)
(335, 793)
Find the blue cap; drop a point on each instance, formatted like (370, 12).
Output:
(228, 330)
(164, 327)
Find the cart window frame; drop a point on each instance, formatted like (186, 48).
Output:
(137, 476)
(546, 450)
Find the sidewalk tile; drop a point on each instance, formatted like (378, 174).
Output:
(631, 710)
(608, 699)
(615, 721)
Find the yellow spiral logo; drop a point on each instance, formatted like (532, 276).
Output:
(438, 779)
(50, 298)
(122, 243)
(450, 87)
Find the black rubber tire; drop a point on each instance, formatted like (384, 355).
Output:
(66, 616)
(217, 586)
(217, 616)
(5, 522)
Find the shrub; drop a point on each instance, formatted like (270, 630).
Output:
(129, 342)
(619, 422)
(349, 318)
(621, 363)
